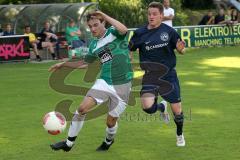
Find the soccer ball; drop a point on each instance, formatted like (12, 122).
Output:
(54, 123)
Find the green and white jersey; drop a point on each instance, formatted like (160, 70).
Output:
(113, 54)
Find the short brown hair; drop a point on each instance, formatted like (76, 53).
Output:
(93, 15)
(157, 5)
(27, 26)
(8, 24)
(71, 21)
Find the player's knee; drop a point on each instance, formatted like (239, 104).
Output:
(151, 109)
(78, 116)
(111, 123)
(150, 106)
(179, 118)
(82, 110)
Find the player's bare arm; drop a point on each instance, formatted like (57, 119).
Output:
(78, 33)
(75, 65)
(171, 17)
(122, 29)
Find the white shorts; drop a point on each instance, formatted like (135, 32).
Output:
(117, 95)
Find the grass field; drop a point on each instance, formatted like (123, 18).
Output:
(210, 92)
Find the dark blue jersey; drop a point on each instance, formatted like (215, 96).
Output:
(155, 45)
(6, 33)
(44, 36)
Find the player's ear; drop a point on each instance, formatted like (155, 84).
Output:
(104, 23)
(161, 14)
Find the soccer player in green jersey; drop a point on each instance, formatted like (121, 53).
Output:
(110, 48)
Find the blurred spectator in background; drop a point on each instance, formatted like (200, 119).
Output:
(228, 17)
(208, 19)
(72, 35)
(33, 42)
(168, 13)
(220, 18)
(231, 17)
(47, 35)
(1, 30)
(8, 30)
(235, 16)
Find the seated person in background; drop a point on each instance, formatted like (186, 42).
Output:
(207, 19)
(50, 36)
(1, 31)
(220, 18)
(228, 17)
(235, 16)
(231, 17)
(8, 31)
(72, 35)
(35, 44)
(33, 41)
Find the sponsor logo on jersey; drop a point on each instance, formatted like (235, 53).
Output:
(148, 48)
(164, 36)
(105, 55)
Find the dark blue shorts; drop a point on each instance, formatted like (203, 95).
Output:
(77, 43)
(166, 86)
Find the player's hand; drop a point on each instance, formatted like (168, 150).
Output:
(180, 46)
(78, 32)
(55, 67)
(131, 56)
(48, 34)
(99, 14)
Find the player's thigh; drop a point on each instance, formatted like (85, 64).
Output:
(122, 91)
(34, 45)
(97, 95)
(148, 94)
(99, 91)
(118, 99)
(46, 44)
(174, 96)
(149, 89)
(87, 104)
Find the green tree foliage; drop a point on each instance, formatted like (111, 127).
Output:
(133, 13)
(130, 12)
(181, 17)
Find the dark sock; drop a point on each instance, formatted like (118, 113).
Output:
(72, 139)
(53, 55)
(38, 57)
(153, 108)
(179, 119)
(108, 140)
(161, 107)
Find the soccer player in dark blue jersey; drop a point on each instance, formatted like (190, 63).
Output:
(156, 43)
